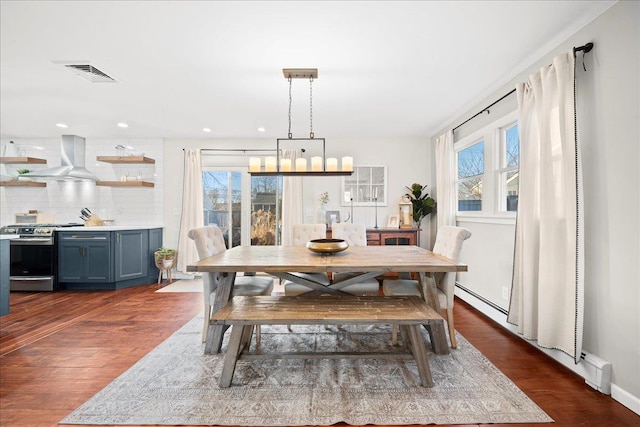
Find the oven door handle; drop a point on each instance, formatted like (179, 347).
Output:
(43, 241)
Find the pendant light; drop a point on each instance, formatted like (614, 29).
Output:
(318, 166)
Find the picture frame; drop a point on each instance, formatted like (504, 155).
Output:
(332, 217)
(393, 221)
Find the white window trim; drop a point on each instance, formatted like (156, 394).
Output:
(491, 135)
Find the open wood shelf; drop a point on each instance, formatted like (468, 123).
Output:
(22, 160)
(124, 184)
(22, 184)
(125, 159)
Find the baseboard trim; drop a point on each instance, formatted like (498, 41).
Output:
(583, 369)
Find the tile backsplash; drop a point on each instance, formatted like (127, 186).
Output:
(125, 206)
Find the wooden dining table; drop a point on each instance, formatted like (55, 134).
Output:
(285, 261)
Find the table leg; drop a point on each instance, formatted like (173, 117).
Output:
(233, 350)
(224, 293)
(438, 336)
(429, 290)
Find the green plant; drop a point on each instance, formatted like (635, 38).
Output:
(423, 205)
(22, 171)
(165, 252)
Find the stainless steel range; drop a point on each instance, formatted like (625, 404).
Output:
(33, 256)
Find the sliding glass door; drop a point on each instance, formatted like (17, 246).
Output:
(246, 208)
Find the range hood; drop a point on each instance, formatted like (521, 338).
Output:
(71, 163)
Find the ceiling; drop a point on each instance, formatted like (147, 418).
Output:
(386, 69)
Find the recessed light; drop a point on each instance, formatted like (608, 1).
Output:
(62, 125)
(206, 130)
(261, 129)
(123, 125)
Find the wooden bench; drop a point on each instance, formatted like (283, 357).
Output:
(408, 312)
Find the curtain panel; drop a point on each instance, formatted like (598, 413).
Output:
(548, 287)
(445, 180)
(192, 208)
(292, 209)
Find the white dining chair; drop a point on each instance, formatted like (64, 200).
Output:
(355, 235)
(449, 244)
(302, 233)
(210, 241)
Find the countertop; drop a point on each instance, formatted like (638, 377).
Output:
(109, 228)
(8, 236)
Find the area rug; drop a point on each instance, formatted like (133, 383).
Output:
(176, 384)
(183, 285)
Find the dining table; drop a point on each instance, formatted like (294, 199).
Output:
(287, 262)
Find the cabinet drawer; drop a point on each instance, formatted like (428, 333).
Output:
(78, 236)
(373, 237)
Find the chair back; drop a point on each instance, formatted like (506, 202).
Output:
(449, 244)
(302, 233)
(354, 234)
(209, 241)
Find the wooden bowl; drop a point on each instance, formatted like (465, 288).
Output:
(327, 246)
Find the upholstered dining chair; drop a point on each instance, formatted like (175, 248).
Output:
(210, 241)
(302, 233)
(449, 244)
(355, 235)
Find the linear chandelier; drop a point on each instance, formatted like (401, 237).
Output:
(319, 165)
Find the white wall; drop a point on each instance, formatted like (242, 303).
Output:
(126, 206)
(406, 160)
(608, 130)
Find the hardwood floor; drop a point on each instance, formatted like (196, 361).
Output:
(58, 349)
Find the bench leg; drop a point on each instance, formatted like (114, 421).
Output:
(233, 350)
(438, 336)
(419, 351)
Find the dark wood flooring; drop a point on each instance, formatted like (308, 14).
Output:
(58, 349)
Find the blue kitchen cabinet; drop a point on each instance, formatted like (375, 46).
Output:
(106, 259)
(4, 277)
(84, 257)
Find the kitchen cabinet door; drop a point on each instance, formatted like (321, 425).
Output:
(131, 254)
(84, 257)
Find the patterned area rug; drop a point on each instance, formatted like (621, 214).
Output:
(176, 384)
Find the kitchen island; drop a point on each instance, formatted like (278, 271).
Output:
(107, 257)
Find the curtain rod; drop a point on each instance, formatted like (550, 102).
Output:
(244, 150)
(584, 48)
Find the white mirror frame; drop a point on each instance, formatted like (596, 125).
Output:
(362, 189)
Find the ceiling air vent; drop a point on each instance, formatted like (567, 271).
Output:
(87, 71)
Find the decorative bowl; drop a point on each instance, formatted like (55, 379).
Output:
(327, 246)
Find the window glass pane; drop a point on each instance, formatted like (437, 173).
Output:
(512, 191)
(470, 194)
(512, 147)
(263, 210)
(222, 203)
(471, 161)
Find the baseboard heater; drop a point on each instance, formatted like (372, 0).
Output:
(595, 371)
(599, 372)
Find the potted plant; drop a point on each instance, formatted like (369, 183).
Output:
(22, 172)
(423, 205)
(165, 258)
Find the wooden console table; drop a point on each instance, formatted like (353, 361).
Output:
(390, 236)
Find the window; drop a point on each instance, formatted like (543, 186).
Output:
(470, 173)
(487, 163)
(509, 168)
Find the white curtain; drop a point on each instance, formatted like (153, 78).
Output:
(192, 208)
(445, 180)
(548, 284)
(292, 209)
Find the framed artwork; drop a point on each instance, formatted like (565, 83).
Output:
(332, 217)
(394, 221)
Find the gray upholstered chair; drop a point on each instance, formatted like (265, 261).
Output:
(210, 241)
(355, 235)
(302, 233)
(449, 244)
